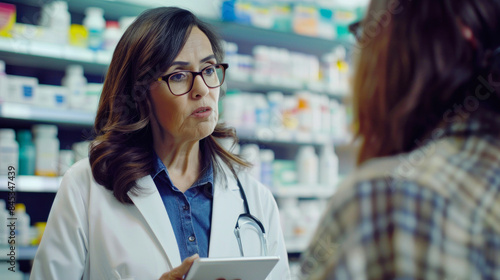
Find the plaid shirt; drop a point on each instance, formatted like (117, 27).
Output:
(431, 214)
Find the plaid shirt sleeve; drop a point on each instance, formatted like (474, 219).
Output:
(383, 229)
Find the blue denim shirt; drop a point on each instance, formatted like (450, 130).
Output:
(190, 212)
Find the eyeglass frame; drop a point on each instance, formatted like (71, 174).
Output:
(194, 73)
(354, 28)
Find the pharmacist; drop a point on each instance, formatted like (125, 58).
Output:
(157, 187)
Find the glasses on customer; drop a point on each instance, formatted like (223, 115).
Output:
(181, 82)
(356, 29)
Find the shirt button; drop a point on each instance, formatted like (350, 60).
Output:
(191, 238)
(185, 207)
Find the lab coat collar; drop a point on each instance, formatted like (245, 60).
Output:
(153, 210)
(227, 206)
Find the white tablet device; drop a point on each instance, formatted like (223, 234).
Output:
(244, 268)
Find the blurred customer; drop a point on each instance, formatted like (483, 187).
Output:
(425, 201)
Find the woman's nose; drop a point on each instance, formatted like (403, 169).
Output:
(199, 89)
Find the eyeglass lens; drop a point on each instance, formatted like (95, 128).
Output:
(182, 81)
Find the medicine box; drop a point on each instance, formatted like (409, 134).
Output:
(21, 89)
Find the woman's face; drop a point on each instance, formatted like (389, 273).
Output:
(192, 116)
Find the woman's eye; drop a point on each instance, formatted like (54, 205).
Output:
(178, 77)
(209, 71)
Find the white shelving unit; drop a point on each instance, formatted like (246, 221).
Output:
(22, 252)
(51, 184)
(32, 183)
(53, 115)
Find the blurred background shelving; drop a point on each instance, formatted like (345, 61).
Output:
(322, 86)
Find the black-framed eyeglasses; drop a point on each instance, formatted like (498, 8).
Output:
(181, 82)
(357, 30)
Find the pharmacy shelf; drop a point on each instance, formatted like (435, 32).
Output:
(230, 31)
(51, 184)
(249, 85)
(18, 111)
(25, 52)
(248, 35)
(21, 252)
(31, 184)
(296, 246)
(270, 136)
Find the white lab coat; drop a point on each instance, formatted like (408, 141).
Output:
(90, 235)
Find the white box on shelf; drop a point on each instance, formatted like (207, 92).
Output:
(21, 89)
(52, 96)
(92, 95)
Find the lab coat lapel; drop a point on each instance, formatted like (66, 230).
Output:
(227, 206)
(151, 206)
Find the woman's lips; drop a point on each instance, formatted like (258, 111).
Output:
(202, 112)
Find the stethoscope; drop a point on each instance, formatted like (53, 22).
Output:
(248, 219)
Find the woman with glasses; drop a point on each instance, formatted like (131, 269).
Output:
(158, 190)
(425, 200)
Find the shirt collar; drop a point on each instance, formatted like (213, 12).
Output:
(481, 122)
(207, 177)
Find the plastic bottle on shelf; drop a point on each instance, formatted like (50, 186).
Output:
(47, 150)
(251, 153)
(111, 35)
(95, 23)
(26, 153)
(329, 167)
(66, 160)
(57, 20)
(60, 21)
(76, 83)
(9, 151)
(307, 166)
(3, 82)
(78, 36)
(125, 22)
(22, 225)
(291, 221)
(261, 110)
(326, 117)
(80, 150)
(231, 56)
(305, 115)
(275, 100)
(4, 230)
(266, 167)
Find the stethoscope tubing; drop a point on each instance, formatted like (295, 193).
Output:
(256, 223)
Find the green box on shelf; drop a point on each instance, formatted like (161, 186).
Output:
(284, 173)
(343, 17)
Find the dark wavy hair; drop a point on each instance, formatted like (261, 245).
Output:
(415, 66)
(122, 150)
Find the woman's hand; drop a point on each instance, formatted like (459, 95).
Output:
(179, 272)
